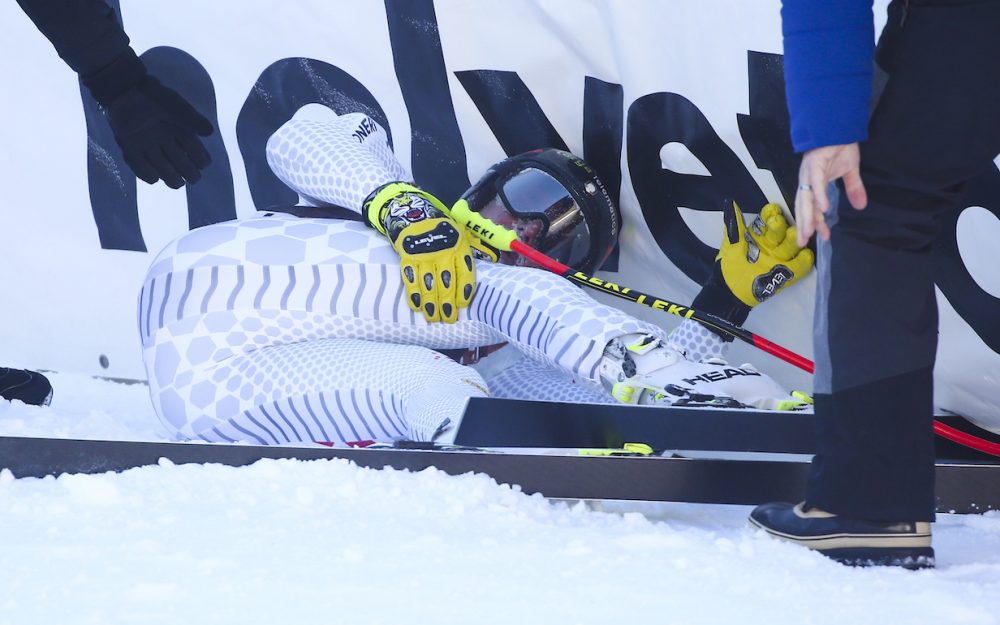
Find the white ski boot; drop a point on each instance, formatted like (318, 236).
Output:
(642, 369)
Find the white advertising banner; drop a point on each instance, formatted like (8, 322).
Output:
(679, 106)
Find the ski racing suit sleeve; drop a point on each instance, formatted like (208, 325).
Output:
(829, 50)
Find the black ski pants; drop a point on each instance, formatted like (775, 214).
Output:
(935, 126)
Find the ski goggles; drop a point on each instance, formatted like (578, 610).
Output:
(539, 209)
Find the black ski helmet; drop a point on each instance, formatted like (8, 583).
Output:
(555, 203)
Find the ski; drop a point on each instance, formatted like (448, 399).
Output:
(962, 487)
(523, 423)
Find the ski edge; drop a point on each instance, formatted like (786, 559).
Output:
(962, 487)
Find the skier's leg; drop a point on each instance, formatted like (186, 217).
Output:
(279, 279)
(560, 325)
(518, 376)
(332, 390)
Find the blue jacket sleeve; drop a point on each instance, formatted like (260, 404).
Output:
(829, 51)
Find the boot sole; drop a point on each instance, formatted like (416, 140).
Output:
(912, 559)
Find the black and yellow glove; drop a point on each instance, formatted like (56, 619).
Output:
(435, 253)
(760, 261)
(754, 264)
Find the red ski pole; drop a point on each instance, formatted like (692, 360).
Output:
(506, 240)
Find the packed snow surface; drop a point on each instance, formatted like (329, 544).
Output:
(287, 541)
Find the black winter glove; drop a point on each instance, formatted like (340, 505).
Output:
(155, 127)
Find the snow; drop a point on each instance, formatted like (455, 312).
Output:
(325, 541)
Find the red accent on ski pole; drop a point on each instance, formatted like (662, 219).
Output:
(944, 431)
(758, 341)
(540, 259)
(788, 356)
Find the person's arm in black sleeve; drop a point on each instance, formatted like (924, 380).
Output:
(155, 127)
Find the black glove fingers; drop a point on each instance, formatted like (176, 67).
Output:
(142, 168)
(156, 129)
(188, 116)
(202, 126)
(196, 150)
(179, 108)
(164, 169)
(182, 162)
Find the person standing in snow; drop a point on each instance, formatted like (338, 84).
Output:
(156, 129)
(935, 125)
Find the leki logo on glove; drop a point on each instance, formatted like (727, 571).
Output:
(771, 282)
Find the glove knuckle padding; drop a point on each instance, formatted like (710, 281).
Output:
(437, 268)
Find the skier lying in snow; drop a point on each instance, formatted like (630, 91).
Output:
(285, 327)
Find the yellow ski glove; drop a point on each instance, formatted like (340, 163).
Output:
(435, 253)
(757, 262)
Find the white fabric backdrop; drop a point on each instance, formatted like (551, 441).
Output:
(66, 302)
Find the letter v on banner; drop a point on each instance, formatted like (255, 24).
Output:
(110, 181)
(519, 124)
(438, 158)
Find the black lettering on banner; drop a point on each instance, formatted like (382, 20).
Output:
(603, 133)
(112, 184)
(437, 152)
(766, 131)
(212, 199)
(514, 116)
(510, 110)
(518, 122)
(981, 310)
(283, 88)
(660, 118)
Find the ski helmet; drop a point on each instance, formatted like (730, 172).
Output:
(555, 203)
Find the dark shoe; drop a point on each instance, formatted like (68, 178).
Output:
(30, 387)
(849, 541)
